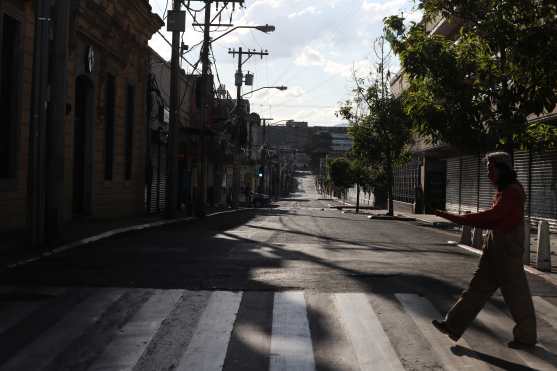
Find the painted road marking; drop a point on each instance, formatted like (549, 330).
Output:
(129, 344)
(291, 345)
(502, 326)
(207, 350)
(14, 311)
(422, 313)
(546, 311)
(371, 345)
(42, 351)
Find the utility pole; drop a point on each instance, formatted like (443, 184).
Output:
(264, 121)
(266, 172)
(37, 135)
(239, 79)
(55, 127)
(176, 24)
(201, 202)
(205, 96)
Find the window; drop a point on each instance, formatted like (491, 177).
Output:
(130, 117)
(110, 97)
(9, 93)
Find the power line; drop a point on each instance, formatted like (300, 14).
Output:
(165, 13)
(294, 105)
(194, 66)
(215, 63)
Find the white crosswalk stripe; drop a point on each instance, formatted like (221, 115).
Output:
(296, 339)
(423, 312)
(124, 351)
(291, 347)
(44, 349)
(371, 345)
(207, 349)
(14, 310)
(546, 311)
(502, 326)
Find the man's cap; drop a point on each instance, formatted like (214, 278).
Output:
(500, 158)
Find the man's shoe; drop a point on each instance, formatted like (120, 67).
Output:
(515, 344)
(442, 327)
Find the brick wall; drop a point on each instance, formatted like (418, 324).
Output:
(118, 31)
(13, 192)
(127, 27)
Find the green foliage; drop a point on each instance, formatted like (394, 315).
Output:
(316, 146)
(369, 178)
(378, 124)
(340, 173)
(479, 91)
(381, 135)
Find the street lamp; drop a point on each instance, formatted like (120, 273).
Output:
(276, 122)
(267, 87)
(205, 68)
(265, 28)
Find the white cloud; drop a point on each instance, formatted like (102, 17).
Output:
(318, 116)
(381, 9)
(274, 96)
(307, 11)
(310, 56)
(314, 50)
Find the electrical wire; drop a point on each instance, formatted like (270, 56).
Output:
(295, 105)
(215, 63)
(194, 66)
(165, 13)
(193, 47)
(189, 8)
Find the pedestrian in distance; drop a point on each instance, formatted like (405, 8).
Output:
(500, 266)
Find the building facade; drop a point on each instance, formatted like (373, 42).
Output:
(16, 65)
(87, 158)
(446, 178)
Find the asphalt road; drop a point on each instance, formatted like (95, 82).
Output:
(295, 286)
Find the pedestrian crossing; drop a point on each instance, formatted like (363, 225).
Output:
(151, 329)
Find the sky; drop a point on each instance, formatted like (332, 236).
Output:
(314, 50)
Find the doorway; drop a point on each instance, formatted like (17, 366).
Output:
(82, 148)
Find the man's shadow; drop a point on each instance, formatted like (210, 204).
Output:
(540, 352)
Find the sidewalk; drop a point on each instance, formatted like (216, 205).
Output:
(425, 219)
(83, 231)
(437, 222)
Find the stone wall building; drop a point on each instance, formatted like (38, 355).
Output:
(16, 66)
(92, 146)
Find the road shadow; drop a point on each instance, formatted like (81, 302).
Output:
(462, 351)
(205, 255)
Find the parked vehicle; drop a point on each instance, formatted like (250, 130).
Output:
(260, 199)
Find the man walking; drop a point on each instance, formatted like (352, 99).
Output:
(501, 263)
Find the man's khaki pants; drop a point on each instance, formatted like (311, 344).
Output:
(500, 267)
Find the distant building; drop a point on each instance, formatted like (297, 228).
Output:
(296, 124)
(308, 142)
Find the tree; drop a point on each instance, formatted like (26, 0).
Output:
(362, 176)
(379, 126)
(340, 173)
(478, 92)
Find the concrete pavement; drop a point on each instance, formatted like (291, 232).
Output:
(297, 286)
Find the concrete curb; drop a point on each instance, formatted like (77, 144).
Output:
(391, 217)
(527, 268)
(110, 233)
(435, 224)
